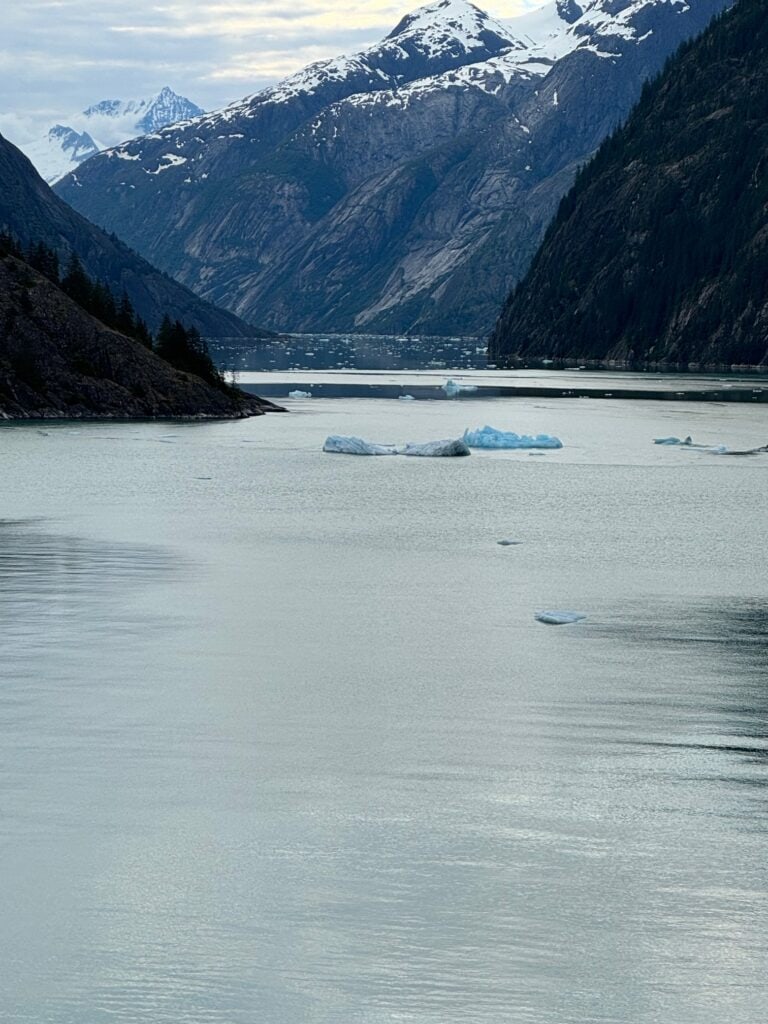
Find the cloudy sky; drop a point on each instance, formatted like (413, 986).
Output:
(59, 56)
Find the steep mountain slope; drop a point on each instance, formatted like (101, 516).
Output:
(660, 252)
(30, 211)
(57, 361)
(104, 124)
(402, 189)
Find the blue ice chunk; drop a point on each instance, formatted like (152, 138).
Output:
(490, 437)
(554, 618)
(299, 394)
(452, 388)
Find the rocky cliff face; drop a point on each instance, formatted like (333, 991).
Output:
(402, 189)
(30, 211)
(56, 361)
(660, 253)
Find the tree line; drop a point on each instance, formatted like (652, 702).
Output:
(181, 346)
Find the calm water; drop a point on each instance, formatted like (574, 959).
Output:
(281, 742)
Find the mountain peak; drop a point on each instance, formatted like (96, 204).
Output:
(457, 21)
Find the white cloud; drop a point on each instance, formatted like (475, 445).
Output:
(60, 56)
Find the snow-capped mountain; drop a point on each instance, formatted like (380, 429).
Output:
(110, 120)
(102, 125)
(403, 188)
(60, 150)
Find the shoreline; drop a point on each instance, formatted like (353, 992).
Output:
(433, 392)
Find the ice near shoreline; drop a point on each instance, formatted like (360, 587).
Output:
(491, 437)
(452, 388)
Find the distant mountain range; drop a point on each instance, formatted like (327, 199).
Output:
(31, 213)
(402, 189)
(659, 254)
(105, 124)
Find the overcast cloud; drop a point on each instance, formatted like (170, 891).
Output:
(59, 56)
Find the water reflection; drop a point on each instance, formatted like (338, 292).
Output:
(59, 590)
(722, 649)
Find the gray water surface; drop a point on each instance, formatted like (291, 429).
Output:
(281, 741)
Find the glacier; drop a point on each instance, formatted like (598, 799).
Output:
(491, 437)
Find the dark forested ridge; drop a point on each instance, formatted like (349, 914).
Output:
(57, 360)
(32, 213)
(659, 254)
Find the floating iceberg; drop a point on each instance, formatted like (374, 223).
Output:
(490, 437)
(559, 618)
(437, 449)
(299, 394)
(722, 450)
(453, 388)
(688, 442)
(406, 398)
(356, 446)
(508, 543)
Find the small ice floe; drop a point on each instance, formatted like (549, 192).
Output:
(340, 445)
(299, 394)
(452, 388)
(406, 398)
(491, 437)
(687, 442)
(506, 543)
(561, 618)
(437, 449)
(722, 450)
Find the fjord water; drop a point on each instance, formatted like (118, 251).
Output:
(281, 741)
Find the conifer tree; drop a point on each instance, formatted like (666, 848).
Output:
(76, 283)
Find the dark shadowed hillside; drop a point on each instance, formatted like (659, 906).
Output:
(659, 254)
(32, 213)
(58, 361)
